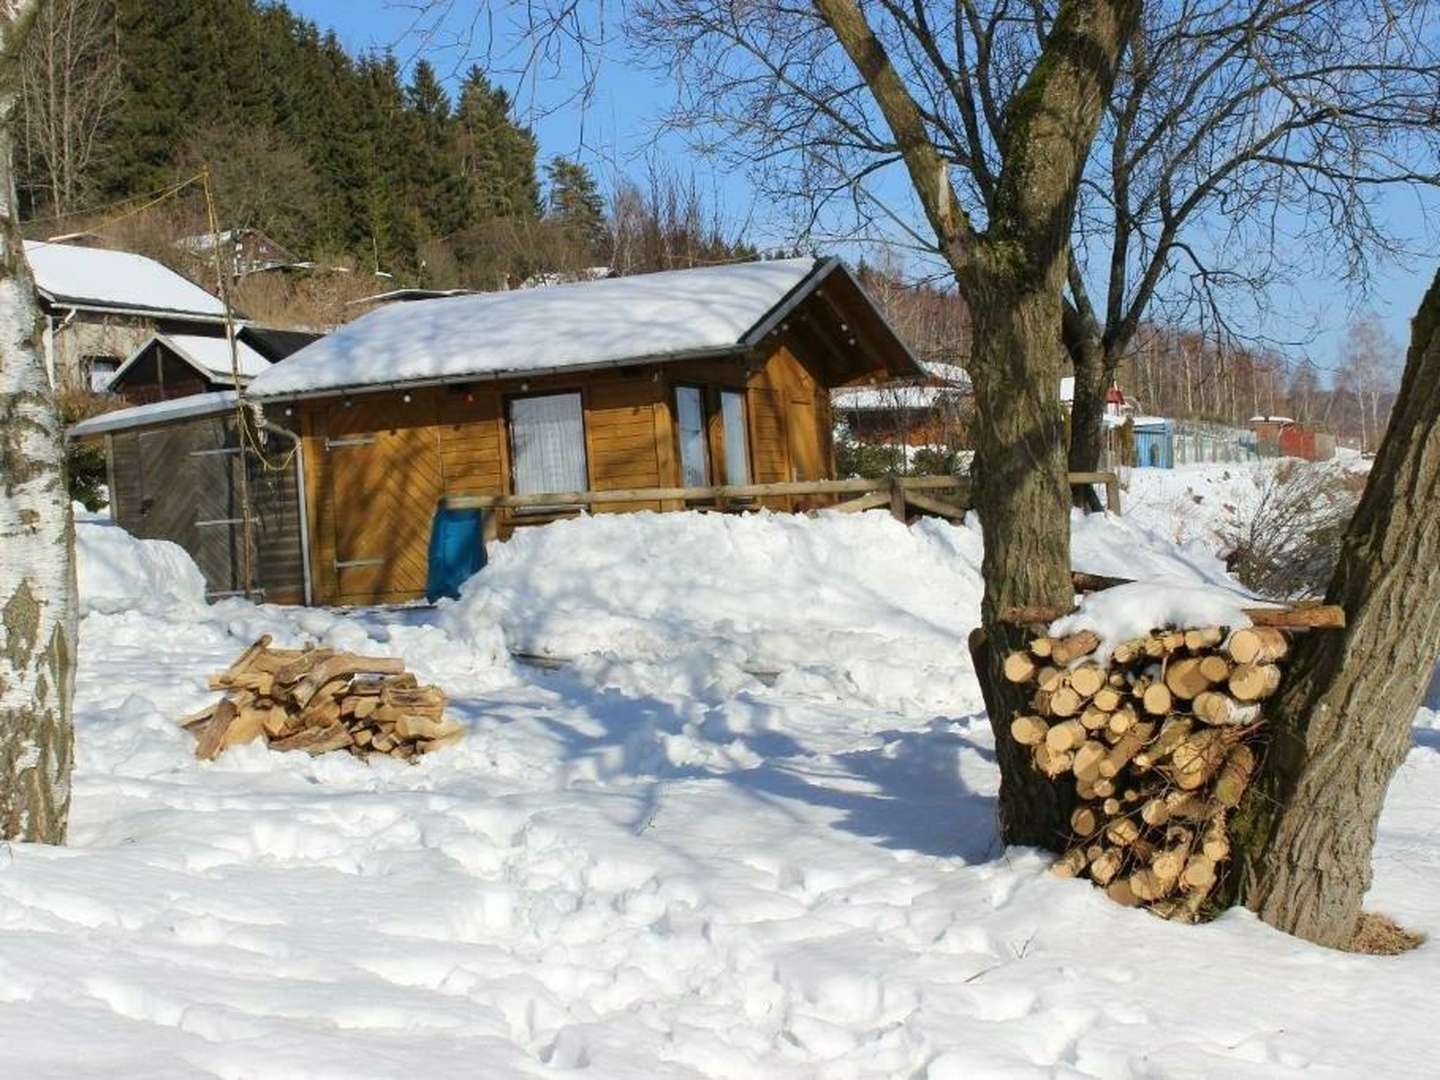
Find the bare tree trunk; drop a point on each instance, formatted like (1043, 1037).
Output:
(1342, 726)
(37, 571)
(1024, 505)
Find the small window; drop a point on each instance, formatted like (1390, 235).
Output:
(694, 452)
(737, 449)
(547, 440)
(99, 370)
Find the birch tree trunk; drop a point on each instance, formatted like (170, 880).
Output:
(37, 562)
(1342, 725)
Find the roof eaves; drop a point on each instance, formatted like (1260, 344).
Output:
(718, 352)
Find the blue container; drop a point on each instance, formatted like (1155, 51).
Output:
(457, 551)
(1155, 446)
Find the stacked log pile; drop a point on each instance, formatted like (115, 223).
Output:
(1159, 740)
(320, 700)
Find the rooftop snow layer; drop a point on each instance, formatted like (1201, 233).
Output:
(159, 412)
(121, 279)
(678, 312)
(213, 354)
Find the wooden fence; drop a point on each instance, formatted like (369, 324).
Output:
(899, 493)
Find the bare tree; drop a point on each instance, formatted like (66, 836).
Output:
(37, 569)
(70, 82)
(1367, 371)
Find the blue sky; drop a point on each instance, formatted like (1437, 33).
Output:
(613, 132)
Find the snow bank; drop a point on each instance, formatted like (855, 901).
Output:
(116, 572)
(855, 601)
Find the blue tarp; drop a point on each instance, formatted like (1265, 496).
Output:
(457, 551)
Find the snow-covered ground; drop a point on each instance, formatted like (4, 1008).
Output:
(746, 830)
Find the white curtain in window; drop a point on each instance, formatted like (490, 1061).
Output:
(737, 451)
(547, 436)
(694, 457)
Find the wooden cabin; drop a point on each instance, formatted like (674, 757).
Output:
(683, 378)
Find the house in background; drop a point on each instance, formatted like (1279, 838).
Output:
(100, 306)
(167, 366)
(930, 410)
(242, 251)
(719, 375)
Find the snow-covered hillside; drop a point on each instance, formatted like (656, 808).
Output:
(746, 830)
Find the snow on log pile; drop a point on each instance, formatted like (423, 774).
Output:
(1159, 736)
(319, 700)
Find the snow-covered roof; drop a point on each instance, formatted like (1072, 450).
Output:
(181, 408)
(122, 280)
(210, 356)
(653, 317)
(1272, 420)
(893, 396)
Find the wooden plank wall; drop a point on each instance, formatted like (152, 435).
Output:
(622, 438)
(162, 487)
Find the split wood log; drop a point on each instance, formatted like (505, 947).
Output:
(1052, 763)
(1065, 701)
(1019, 667)
(1122, 831)
(1218, 707)
(1094, 719)
(1157, 700)
(1258, 645)
(1252, 682)
(1206, 637)
(1172, 733)
(1215, 839)
(1028, 730)
(1234, 775)
(1186, 678)
(1120, 891)
(1085, 821)
(1107, 699)
(1042, 646)
(1087, 680)
(1067, 650)
(1065, 736)
(1087, 760)
(1196, 759)
(1215, 667)
(341, 664)
(1104, 868)
(1070, 864)
(1128, 746)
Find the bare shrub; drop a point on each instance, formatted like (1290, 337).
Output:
(1287, 548)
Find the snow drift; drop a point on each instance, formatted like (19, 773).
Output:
(116, 572)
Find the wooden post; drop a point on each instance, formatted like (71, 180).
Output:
(1112, 493)
(897, 500)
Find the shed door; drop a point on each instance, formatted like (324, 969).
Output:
(806, 457)
(212, 464)
(385, 484)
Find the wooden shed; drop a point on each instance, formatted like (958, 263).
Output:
(176, 364)
(174, 473)
(685, 378)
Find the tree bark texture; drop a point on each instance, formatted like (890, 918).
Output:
(37, 568)
(1341, 727)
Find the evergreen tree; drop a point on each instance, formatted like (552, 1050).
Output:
(575, 205)
(496, 156)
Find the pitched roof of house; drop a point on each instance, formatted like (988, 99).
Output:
(720, 310)
(88, 277)
(209, 356)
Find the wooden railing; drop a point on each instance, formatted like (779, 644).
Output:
(896, 492)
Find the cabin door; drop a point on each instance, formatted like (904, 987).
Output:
(385, 484)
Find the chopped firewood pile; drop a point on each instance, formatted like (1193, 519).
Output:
(1160, 742)
(319, 700)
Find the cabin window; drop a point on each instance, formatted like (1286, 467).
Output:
(99, 370)
(694, 454)
(737, 449)
(547, 441)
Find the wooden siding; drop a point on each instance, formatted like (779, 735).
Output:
(621, 439)
(181, 482)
